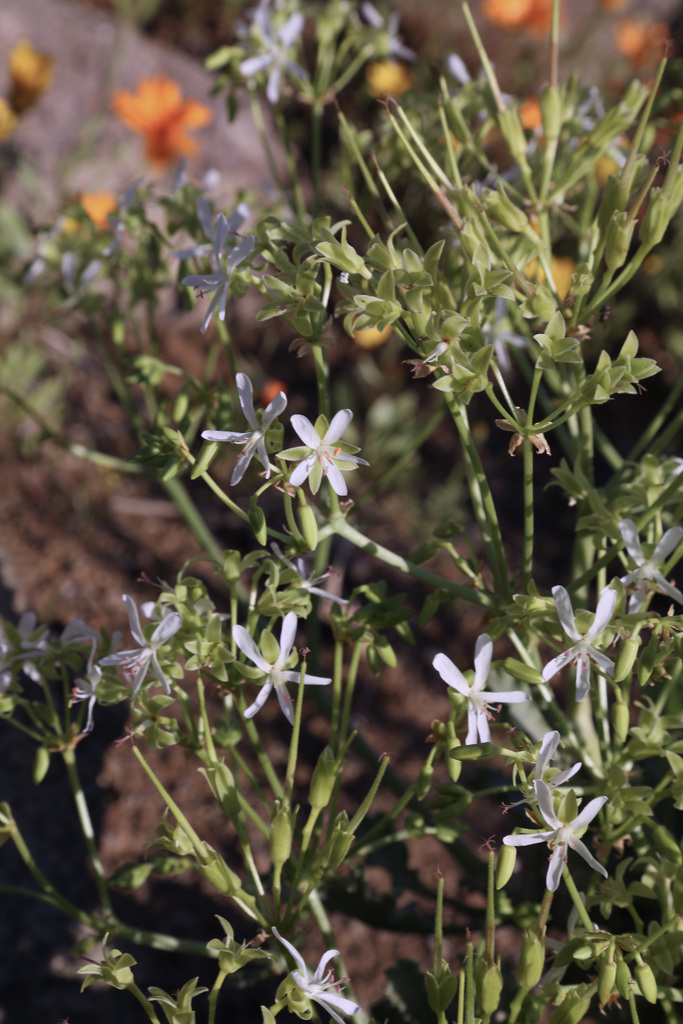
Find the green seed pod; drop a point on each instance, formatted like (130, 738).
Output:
(626, 659)
(552, 111)
(646, 662)
(623, 979)
(620, 720)
(281, 832)
(532, 957)
(614, 200)
(257, 521)
(511, 129)
(647, 982)
(232, 566)
(180, 406)
(505, 865)
(118, 330)
(308, 524)
(666, 844)
(525, 674)
(618, 239)
(499, 207)
(205, 458)
(424, 781)
(571, 1010)
(323, 779)
(607, 976)
(453, 766)
(656, 220)
(490, 988)
(456, 122)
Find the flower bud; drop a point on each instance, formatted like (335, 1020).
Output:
(572, 1009)
(607, 975)
(532, 957)
(647, 982)
(525, 674)
(339, 843)
(626, 658)
(552, 111)
(270, 648)
(308, 524)
(205, 458)
(281, 832)
(424, 781)
(180, 406)
(489, 988)
(456, 122)
(614, 200)
(620, 720)
(257, 521)
(656, 220)
(646, 662)
(505, 865)
(513, 133)
(623, 978)
(568, 809)
(618, 239)
(323, 779)
(453, 766)
(500, 207)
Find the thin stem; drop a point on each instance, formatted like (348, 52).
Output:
(213, 995)
(69, 759)
(577, 901)
(294, 741)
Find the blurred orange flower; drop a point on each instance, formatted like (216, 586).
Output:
(530, 114)
(372, 337)
(515, 15)
(98, 206)
(613, 5)
(30, 73)
(388, 78)
(271, 389)
(8, 120)
(641, 42)
(562, 268)
(158, 112)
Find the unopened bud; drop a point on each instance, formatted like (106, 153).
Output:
(338, 845)
(618, 239)
(607, 976)
(569, 808)
(647, 982)
(323, 779)
(525, 674)
(505, 865)
(453, 766)
(257, 521)
(620, 720)
(205, 458)
(623, 978)
(552, 111)
(666, 844)
(456, 122)
(571, 1010)
(626, 658)
(308, 524)
(490, 988)
(656, 220)
(281, 833)
(500, 207)
(424, 781)
(512, 131)
(532, 957)
(614, 200)
(646, 662)
(270, 648)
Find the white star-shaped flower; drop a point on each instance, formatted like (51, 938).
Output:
(583, 651)
(647, 576)
(308, 582)
(278, 43)
(220, 281)
(136, 662)
(323, 454)
(253, 440)
(212, 229)
(319, 987)
(549, 745)
(562, 835)
(478, 699)
(86, 689)
(276, 674)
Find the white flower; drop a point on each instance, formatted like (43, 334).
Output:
(32, 643)
(278, 42)
(320, 988)
(549, 745)
(391, 44)
(477, 698)
(276, 675)
(561, 836)
(220, 281)
(582, 652)
(253, 440)
(217, 231)
(326, 456)
(136, 662)
(647, 575)
(308, 582)
(86, 689)
(457, 67)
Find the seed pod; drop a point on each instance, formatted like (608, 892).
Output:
(647, 982)
(490, 988)
(512, 131)
(505, 865)
(620, 720)
(623, 978)
(499, 207)
(205, 458)
(618, 239)
(614, 200)
(456, 122)
(257, 521)
(281, 832)
(656, 220)
(453, 766)
(607, 976)
(532, 957)
(525, 674)
(626, 658)
(180, 406)
(424, 781)
(552, 111)
(308, 524)
(646, 662)
(322, 780)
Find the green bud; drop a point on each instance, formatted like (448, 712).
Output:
(453, 766)
(647, 982)
(118, 330)
(180, 406)
(424, 780)
(572, 1009)
(205, 458)
(323, 779)
(623, 978)
(618, 239)
(281, 833)
(532, 957)
(505, 865)
(620, 720)
(456, 122)
(666, 844)
(232, 566)
(257, 521)
(614, 200)
(308, 524)
(607, 976)
(222, 783)
(656, 220)
(41, 763)
(490, 988)
(499, 207)
(338, 845)
(646, 662)
(525, 674)
(511, 129)
(440, 991)
(626, 659)
(552, 111)
(568, 809)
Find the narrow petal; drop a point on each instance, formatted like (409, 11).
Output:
(245, 393)
(210, 311)
(554, 666)
(549, 746)
(169, 625)
(566, 775)
(528, 840)
(337, 481)
(158, 672)
(565, 612)
(306, 431)
(291, 30)
(483, 652)
(322, 966)
(554, 874)
(504, 696)
(587, 813)
(601, 660)
(293, 677)
(252, 65)
(241, 466)
(330, 999)
(293, 952)
(473, 726)
(287, 635)
(273, 85)
(545, 802)
(667, 588)
(584, 852)
(221, 233)
(285, 702)
(451, 675)
(629, 535)
(241, 251)
(233, 436)
(483, 726)
(261, 698)
(667, 545)
(248, 647)
(302, 471)
(274, 409)
(583, 677)
(603, 614)
(134, 620)
(340, 422)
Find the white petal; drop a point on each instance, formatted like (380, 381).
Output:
(565, 612)
(306, 431)
(252, 65)
(583, 677)
(337, 481)
(629, 534)
(239, 253)
(554, 874)
(233, 436)
(473, 729)
(667, 545)
(285, 703)
(134, 620)
(545, 802)
(603, 614)
(584, 852)
(451, 675)
(294, 677)
(528, 840)
(245, 393)
(273, 86)
(322, 966)
(220, 234)
(294, 953)
(482, 660)
(302, 471)
(667, 588)
(602, 661)
(587, 813)
(549, 745)
(483, 726)
(287, 635)
(248, 647)
(273, 410)
(330, 999)
(241, 466)
(169, 625)
(554, 666)
(291, 30)
(566, 775)
(261, 698)
(504, 696)
(158, 672)
(338, 425)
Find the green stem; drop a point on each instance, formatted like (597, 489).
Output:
(577, 901)
(143, 1001)
(177, 492)
(213, 995)
(69, 759)
(294, 741)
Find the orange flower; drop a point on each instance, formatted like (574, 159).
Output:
(387, 78)
(30, 74)
(530, 114)
(98, 206)
(158, 112)
(271, 389)
(515, 15)
(641, 42)
(8, 120)
(562, 268)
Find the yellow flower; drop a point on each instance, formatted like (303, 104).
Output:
(372, 337)
(562, 268)
(98, 206)
(388, 78)
(641, 42)
(30, 74)
(158, 112)
(516, 15)
(8, 120)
